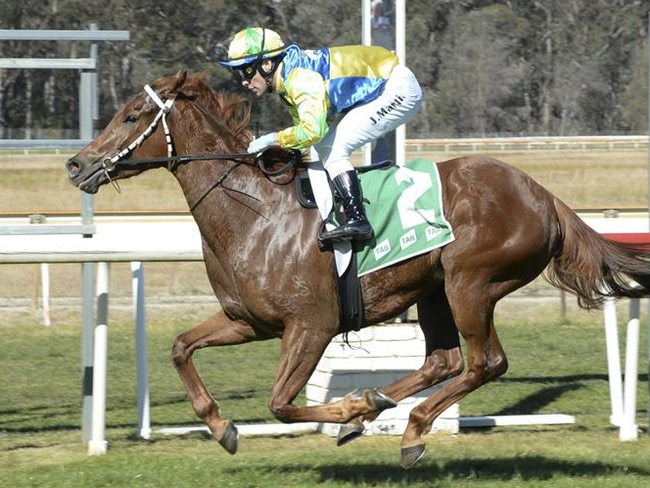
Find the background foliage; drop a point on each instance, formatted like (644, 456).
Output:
(487, 67)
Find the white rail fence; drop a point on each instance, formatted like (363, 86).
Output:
(527, 143)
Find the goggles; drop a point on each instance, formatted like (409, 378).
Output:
(247, 71)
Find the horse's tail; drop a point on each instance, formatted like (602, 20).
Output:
(593, 267)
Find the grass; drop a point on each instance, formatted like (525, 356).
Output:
(557, 365)
(602, 179)
(487, 460)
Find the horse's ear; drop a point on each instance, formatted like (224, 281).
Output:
(173, 84)
(179, 80)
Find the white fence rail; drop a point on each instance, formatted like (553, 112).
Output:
(526, 143)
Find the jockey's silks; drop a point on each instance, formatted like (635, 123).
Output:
(319, 83)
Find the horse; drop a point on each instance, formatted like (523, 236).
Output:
(272, 280)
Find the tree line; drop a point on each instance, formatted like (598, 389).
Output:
(517, 67)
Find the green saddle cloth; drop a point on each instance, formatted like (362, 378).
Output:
(404, 206)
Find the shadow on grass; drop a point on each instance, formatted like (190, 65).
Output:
(538, 400)
(527, 468)
(572, 378)
(544, 396)
(40, 418)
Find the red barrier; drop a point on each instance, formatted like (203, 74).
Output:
(639, 239)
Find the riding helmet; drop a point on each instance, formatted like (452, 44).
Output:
(253, 44)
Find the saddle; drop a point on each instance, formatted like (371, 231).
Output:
(351, 309)
(305, 193)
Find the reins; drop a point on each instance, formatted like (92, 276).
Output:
(172, 161)
(216, 184)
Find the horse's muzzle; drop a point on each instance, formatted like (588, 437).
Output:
(86, 178)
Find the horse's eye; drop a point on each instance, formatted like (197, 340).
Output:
(130, 119)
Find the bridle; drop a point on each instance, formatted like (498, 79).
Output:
(172, 161)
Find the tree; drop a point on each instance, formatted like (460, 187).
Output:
(582, 54)
(634, 104)
(486, 66)
(482, 76)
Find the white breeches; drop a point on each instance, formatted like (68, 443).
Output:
(399, 102)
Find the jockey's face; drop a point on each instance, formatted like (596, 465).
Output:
(257, 83)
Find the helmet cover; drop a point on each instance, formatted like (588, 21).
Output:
(253, 44)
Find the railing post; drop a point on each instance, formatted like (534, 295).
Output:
(144, 422)
(97, 443)
(613, 361)
(87, 347)
(629, 428)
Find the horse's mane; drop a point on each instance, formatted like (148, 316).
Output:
(232, 111)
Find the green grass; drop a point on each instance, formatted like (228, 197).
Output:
(582, 178)
(469, 460)
(557, 366)
(47, 359)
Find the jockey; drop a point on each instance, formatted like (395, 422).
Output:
(339, 98)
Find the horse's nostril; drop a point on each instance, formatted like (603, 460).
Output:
(73, 168)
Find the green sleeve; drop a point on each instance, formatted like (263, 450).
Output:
(306, 94)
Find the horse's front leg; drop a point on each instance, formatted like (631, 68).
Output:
(301, 350)
(218, 330)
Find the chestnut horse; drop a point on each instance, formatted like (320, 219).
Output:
(272, 281)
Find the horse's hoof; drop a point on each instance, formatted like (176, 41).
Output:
(349, 432)
(411, 455)
(380, 401)
(230, 438)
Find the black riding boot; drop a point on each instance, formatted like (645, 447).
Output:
(354, 224)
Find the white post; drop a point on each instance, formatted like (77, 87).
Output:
(45, 292)
(613, 361)
(399, 19)
(629, 428)
(400, 50)
(366, 40)
(366, 19)
(144, 422)
(97, 443)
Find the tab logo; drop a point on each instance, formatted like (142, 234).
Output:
(381, 249)
(408, 239)
(432, 232)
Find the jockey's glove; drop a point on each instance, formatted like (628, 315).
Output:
(258, 145)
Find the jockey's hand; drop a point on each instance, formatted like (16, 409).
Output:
(258, 145)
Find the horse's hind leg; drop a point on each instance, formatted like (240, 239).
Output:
(473, 309)
(443, 358)
(218, 330)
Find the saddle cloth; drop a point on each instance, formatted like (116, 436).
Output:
(404, 207)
